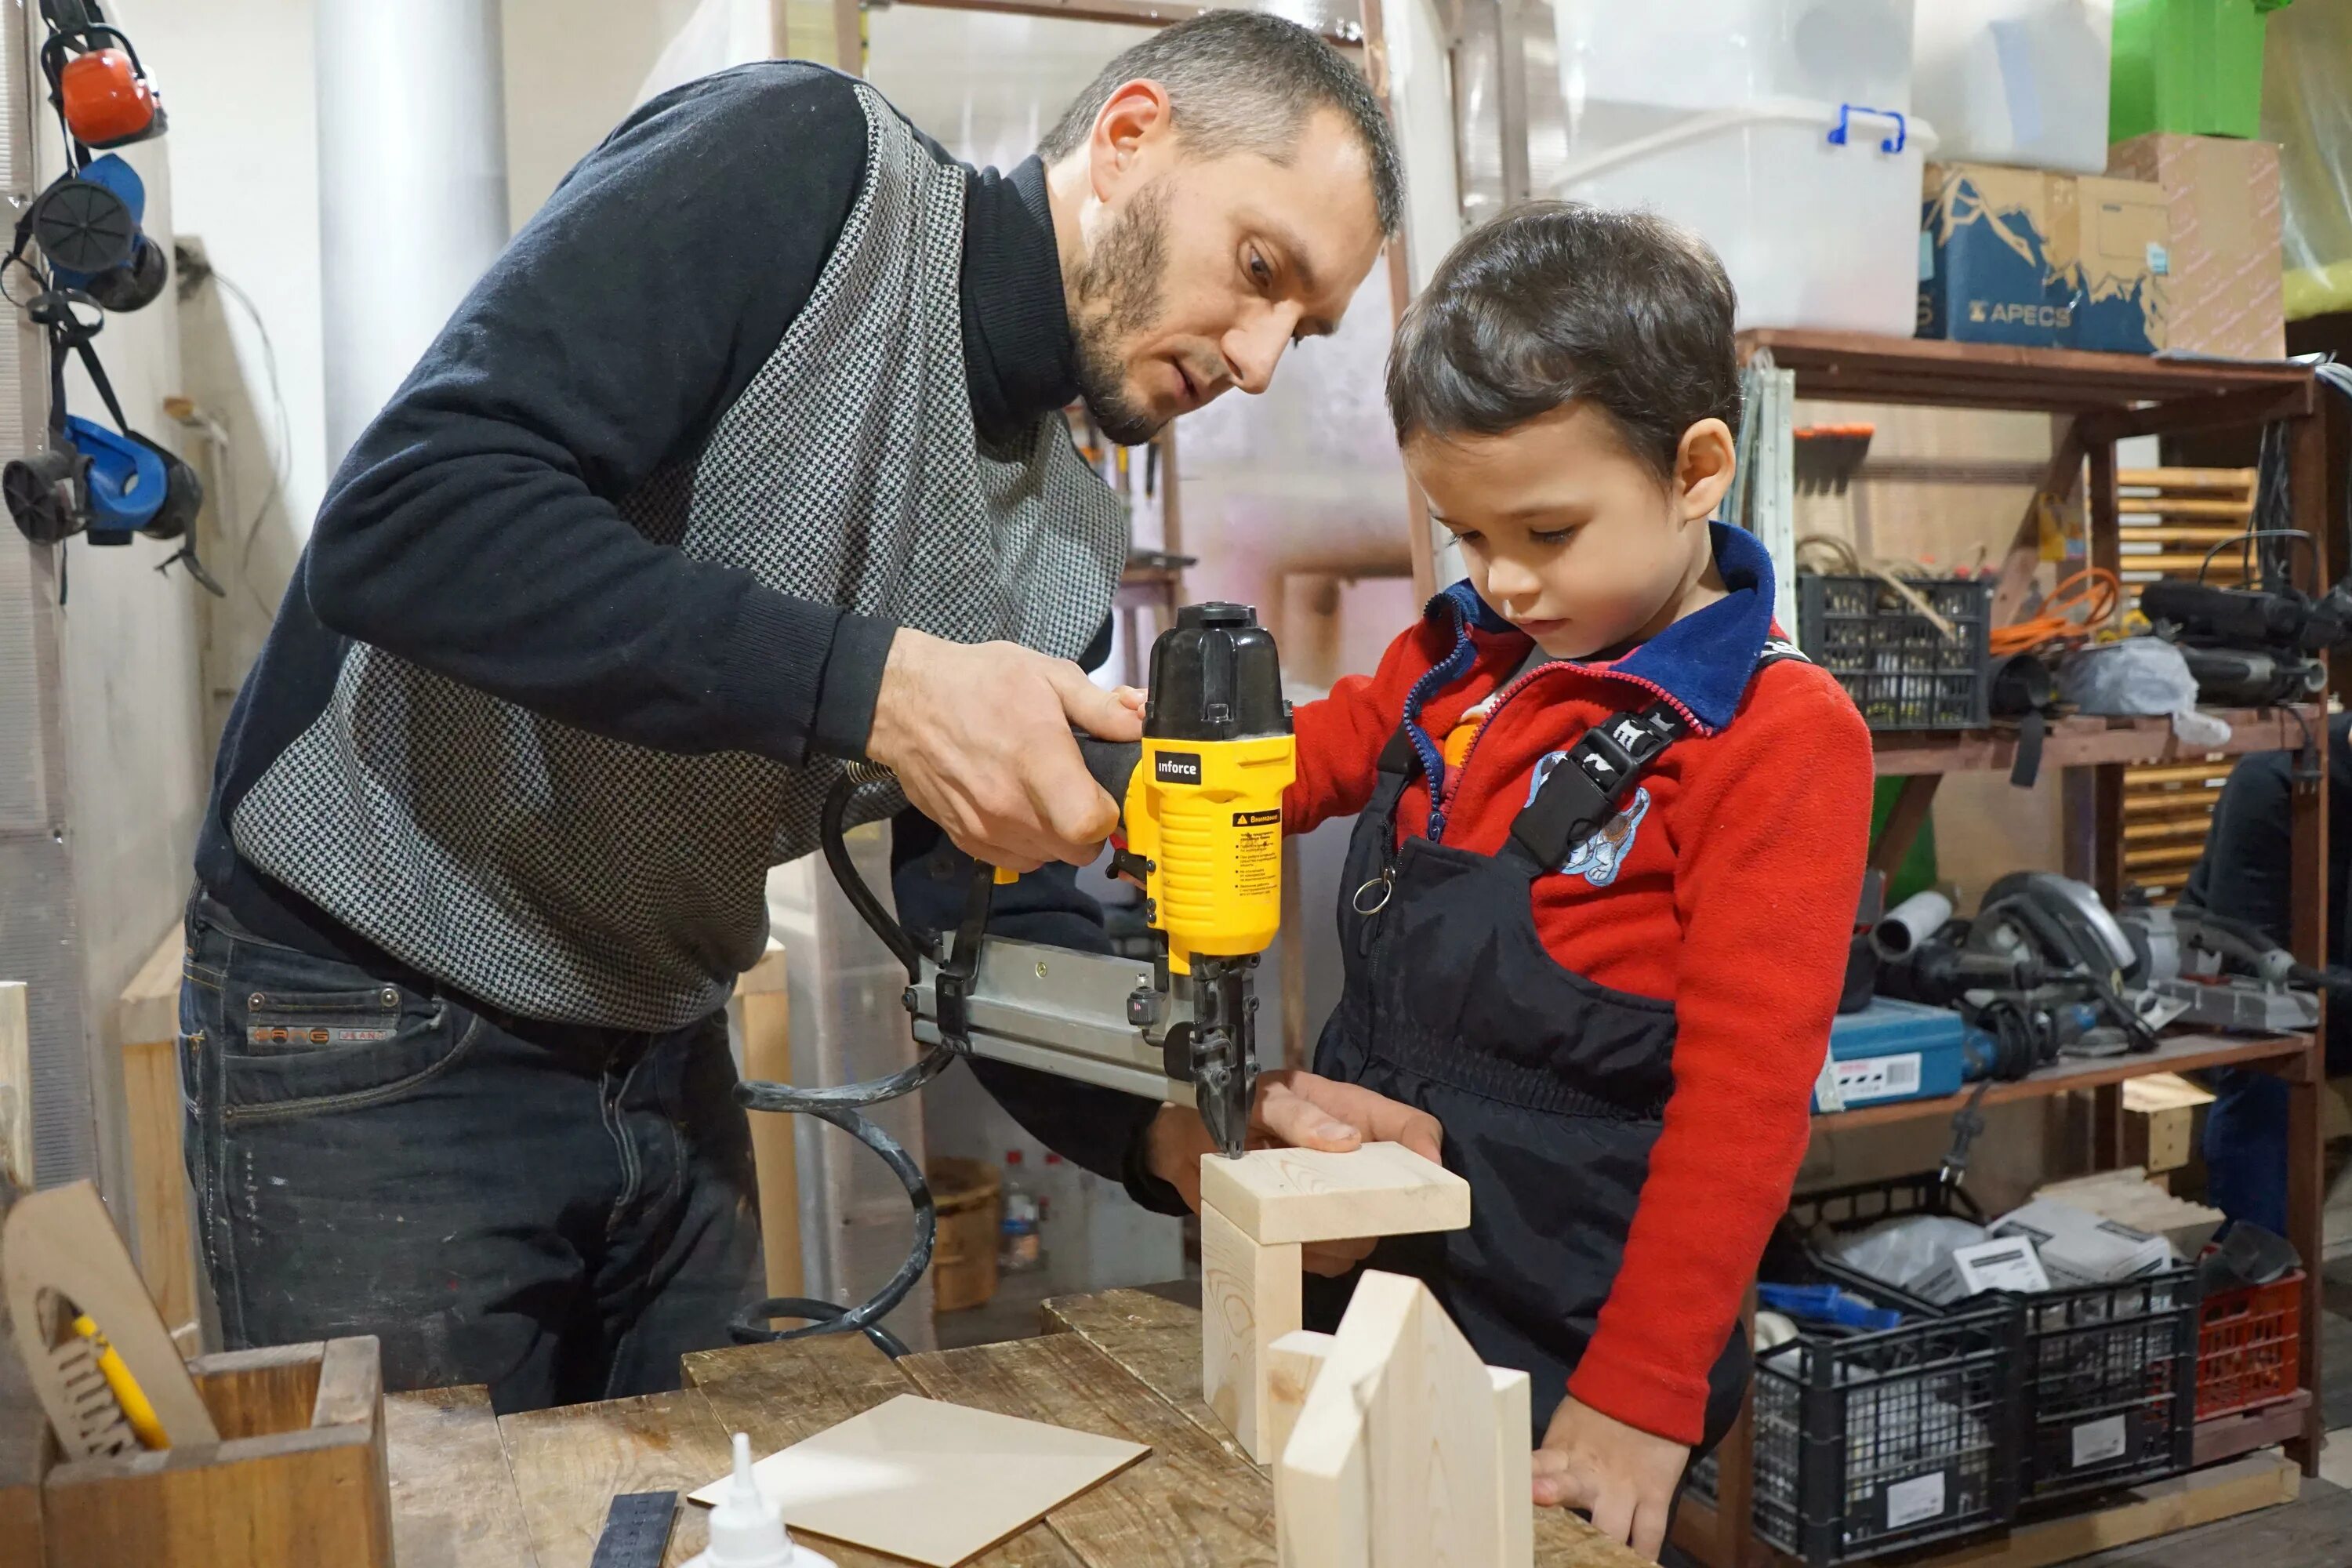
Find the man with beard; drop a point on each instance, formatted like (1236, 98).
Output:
(747, 458)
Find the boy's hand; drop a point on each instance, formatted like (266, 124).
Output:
(1296, 1110)
(1621, 1476)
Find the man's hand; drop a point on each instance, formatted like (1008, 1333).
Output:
(980, 739)
(1298, 1110)
(1623, 1477)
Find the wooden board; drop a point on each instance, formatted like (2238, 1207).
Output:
(779, 1394)
(1398, 1441)
(1251, 1295)
(454, 1503)
(1307, 1194)
(1157, 1340)
(762, 1015)
(1190, 1504)
(569, 1462)
(159, 1177)
(2202, 1497)
(16, 1086)
(1291, 1364)
(930, 1481)
(147, 1027)
(1515, 1463)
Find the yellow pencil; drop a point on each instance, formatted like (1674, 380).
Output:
(127, 1392)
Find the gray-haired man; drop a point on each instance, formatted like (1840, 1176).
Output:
(746, 458)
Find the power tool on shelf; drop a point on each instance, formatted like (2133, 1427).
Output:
(2043, 969)
(2224, 974)
(1201, 828)
(2259, 645)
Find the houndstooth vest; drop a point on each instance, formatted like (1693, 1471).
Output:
(565, 876)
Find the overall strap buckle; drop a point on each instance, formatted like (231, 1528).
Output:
(1585, 788)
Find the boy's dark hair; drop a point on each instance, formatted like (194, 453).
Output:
(1242, 81)
(1555, 301)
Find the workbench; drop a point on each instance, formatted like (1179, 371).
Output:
(471, 1490)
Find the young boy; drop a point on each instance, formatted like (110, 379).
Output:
(1612, 835)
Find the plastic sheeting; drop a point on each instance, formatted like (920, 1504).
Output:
(2307, 110)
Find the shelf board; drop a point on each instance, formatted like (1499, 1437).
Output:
(2176, 1053)
(1861, 368)
(2081, 739)
(2248, 1431)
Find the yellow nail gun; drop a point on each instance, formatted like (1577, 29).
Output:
(1201, 818)
(1201, 828)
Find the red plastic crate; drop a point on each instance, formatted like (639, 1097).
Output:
(2248, 1349)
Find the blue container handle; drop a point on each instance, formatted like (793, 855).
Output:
(1894, 143)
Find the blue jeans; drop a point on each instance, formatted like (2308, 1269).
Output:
(2245, 1147)
(558, 1211)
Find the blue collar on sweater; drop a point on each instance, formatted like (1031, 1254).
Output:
(1702, 662)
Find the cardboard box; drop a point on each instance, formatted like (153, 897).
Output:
(2222, 195)
(2043, 260)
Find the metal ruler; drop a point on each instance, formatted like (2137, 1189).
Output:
(636, 1530)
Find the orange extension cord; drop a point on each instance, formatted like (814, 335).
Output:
(2074, 610)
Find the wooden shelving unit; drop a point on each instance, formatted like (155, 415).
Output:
(2107, 398)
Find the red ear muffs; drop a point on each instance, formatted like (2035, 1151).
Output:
(106, 99)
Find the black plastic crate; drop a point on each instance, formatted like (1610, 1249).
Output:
(2107, 1373)
(1899, 669)
(1874, 1443)
(2110, 1384)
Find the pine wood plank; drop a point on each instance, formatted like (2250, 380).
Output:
(454, 1503)
(1309, 1194)
(1250, 1297)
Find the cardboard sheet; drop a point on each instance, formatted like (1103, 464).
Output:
(931, 1483)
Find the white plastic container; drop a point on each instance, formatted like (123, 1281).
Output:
(2016, 81)
(1779, 131)
(1814, 231)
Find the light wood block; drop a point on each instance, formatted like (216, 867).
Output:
(1291, 1364)
(1515, 1447)
(16, 1086)
(2160, 1120)
(147, 1026)
(1305, 1194)
(298, 1480)
(762, 1015)
(1250, 1297)
(1396, 1461)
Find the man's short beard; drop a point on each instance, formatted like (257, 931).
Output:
(1118, 295)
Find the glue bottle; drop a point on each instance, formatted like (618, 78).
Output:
(745, 1532)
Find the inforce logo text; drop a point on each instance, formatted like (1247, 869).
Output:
(1176, 767)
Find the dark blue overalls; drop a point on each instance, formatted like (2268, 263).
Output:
(1551, 1087)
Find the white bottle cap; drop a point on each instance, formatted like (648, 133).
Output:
(745, 1531)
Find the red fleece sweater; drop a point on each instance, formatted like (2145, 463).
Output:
(1734, 899)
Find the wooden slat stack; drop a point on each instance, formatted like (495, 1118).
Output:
(2170, 518)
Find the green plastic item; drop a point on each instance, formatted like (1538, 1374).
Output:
(2194, 66)
(1917, 872)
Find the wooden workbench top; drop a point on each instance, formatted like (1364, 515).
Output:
(470, 1489)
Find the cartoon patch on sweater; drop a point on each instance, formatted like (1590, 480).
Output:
(1598, 858)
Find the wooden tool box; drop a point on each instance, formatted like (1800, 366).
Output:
(298, 1479)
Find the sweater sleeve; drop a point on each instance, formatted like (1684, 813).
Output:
(1341, 735)
(472, 527)
(1773, 866)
